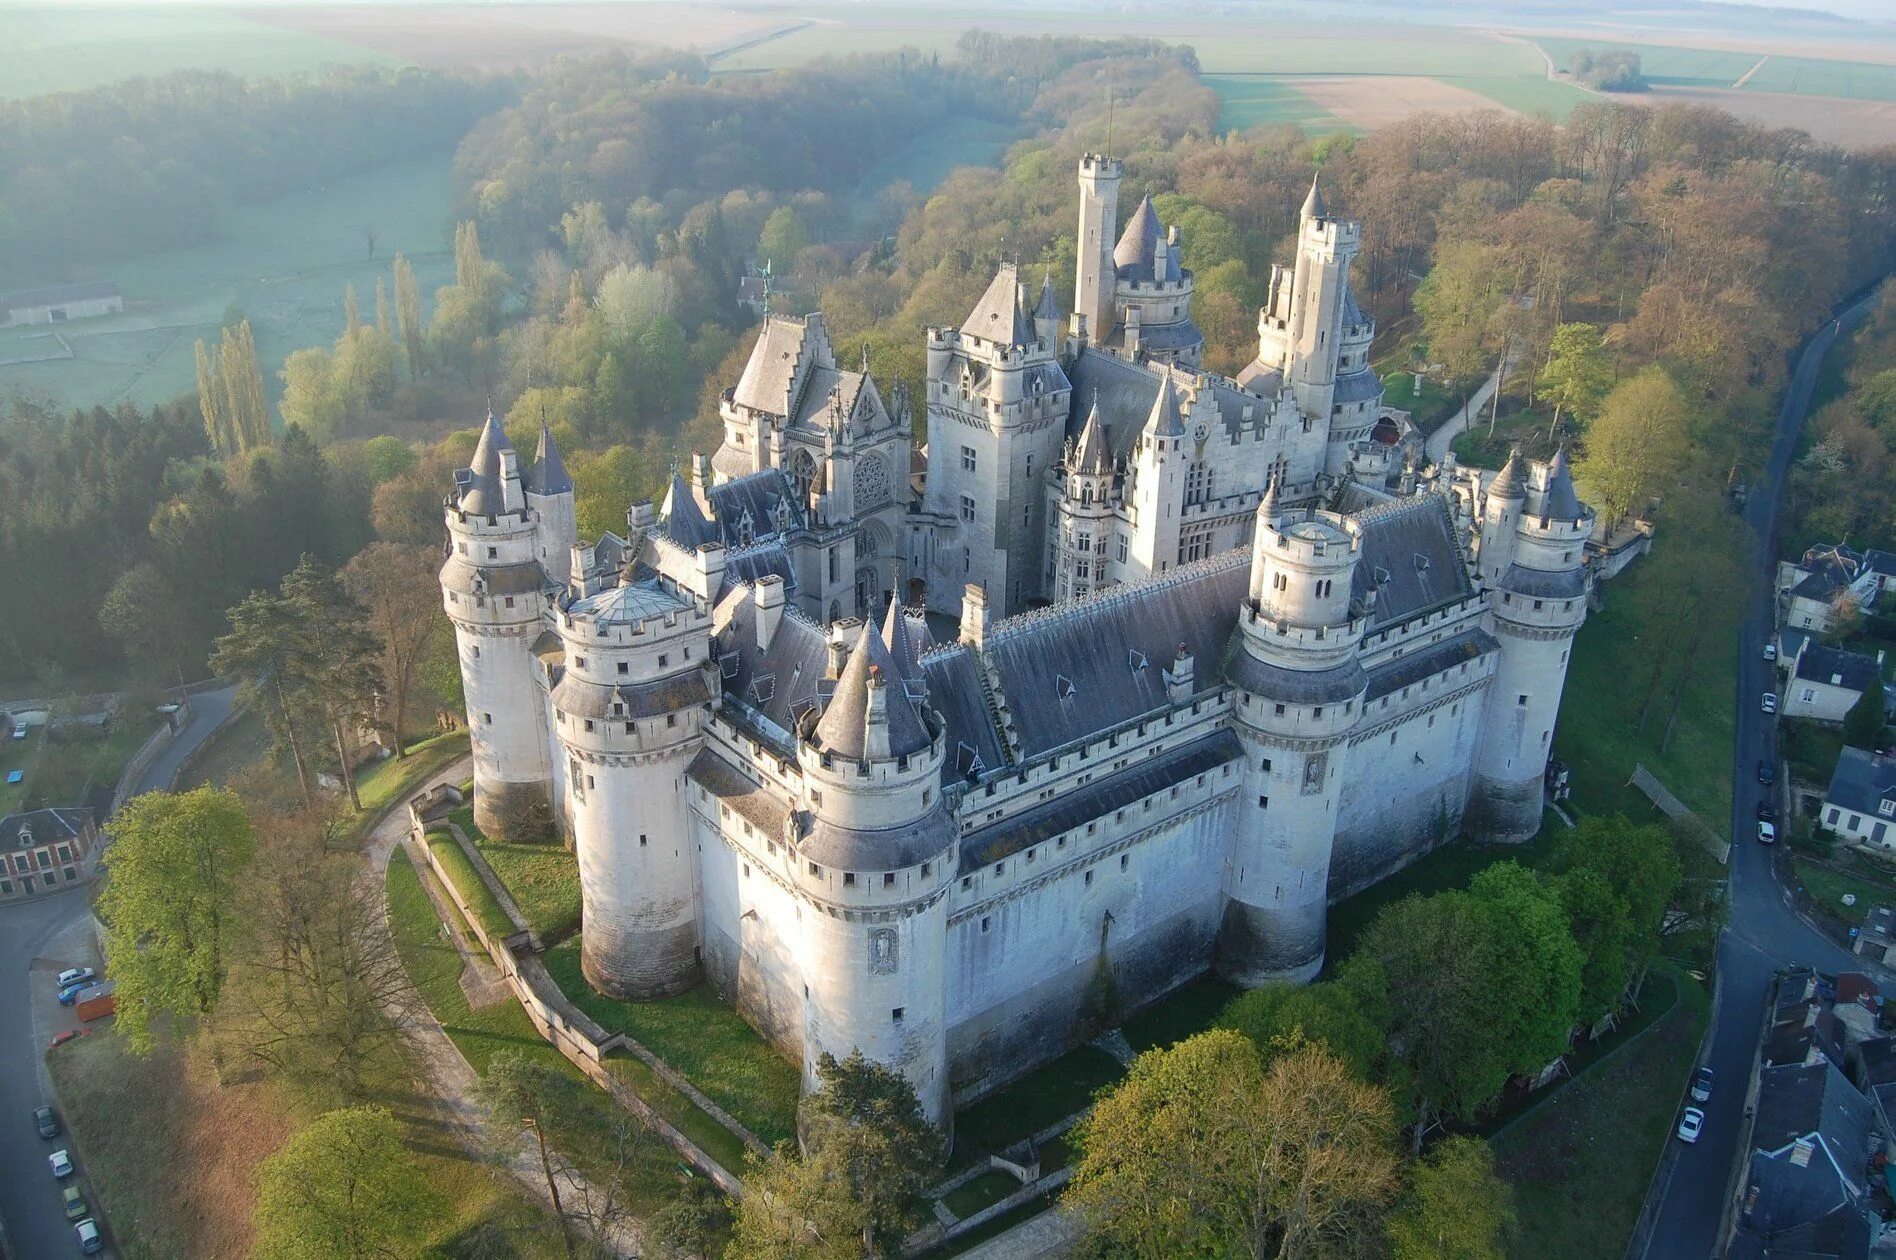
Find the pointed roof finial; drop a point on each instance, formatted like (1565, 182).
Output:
(1313, 207)
(548, 474)
(1164, 420)
(483, 494)
(1090, 456)
(844, 727)
(1269, 510)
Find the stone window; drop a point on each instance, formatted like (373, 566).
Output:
(967, 459)
(896, 1014)
(1280, 710)
(1124, 860)
(815, 869)
(986, 921)
(1263, 802)
(967, 508)
(493, 553)
(849, 879)
(1089, 879)
(625, 667)
(1000, 868)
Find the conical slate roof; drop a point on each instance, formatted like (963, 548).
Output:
(1090, 455)
(1141, 237)
(1001, 314)
(1511, 481)
(548, 474)
(1267, 509)
(483, 495)
(1047, 308)
(685, 521)
(1560, 501)
(895, 633)
(1313, 207)
(1164, 420)
(844, 727)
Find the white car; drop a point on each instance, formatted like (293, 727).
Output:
(1770, 702)
(1770, 651)
(1767, 834)
(1691, 1124)
(89, 1241)
(73, 975)
(61, 1164)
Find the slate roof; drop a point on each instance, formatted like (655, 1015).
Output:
(1787, 1188)
(548, 474)
(1172, 336)
(1136, 255)
(1554, 498)
(1313, 206)
(897, 634)
(1048, 308)
(773, 369)
(1511, 481)
(762, 808)
(1827, 570)
(843, 728)
(764, 496)
(44, 825)
(1002, 313)
(1163, 420)
(481, 492)
(778, 684)
(820, 386)
(1070, 672)
(1406, 671)
(955, 691)
(1837, 668)
(1352, 312)
(1357, 387)
(683, 521)
(1126, 393)
(1410, 551)
(769, 559)
(1845, 1234)
(1878, 1056)
(1862, 781)
(1089, 452)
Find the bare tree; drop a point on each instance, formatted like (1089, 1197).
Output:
(397, 586)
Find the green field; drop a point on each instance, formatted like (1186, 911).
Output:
(1536, 95)
(283, 263)
(1672, 66)
(1250, 100)
(70, 47)
(1422, 51)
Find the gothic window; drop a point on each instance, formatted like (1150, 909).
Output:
(872, 482)
(1083, 571)
(1280, 472)
(1197, 482)
(1122, 548)
(803, 472)
(1195, 545)
(1084, 542)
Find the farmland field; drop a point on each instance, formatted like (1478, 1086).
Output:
(1422, 51)
(71, 47)
(283, 263)
(1255, 100)
(1672, 66)
(1526, 96)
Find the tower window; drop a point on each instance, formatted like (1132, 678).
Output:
(815, 869)
(1263, 802)
(1520, 699)
(510, 601)
(896, 1014)
(1124, 861)
(493, 553)
(642, 839)
(849, 879)
(1280, 710)
(1089, 879)
(1266, 766)
(967, 508)
(663, 660)
(967, 459)
(488, 718)
(888, 879)
(986, 921)
(625, 667)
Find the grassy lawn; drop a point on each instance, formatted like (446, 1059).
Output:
(1828, 885)
(485, 907)
(1031, 1103)
(543, 878)
(1430, 408)
(1254, 100)
(1598, 736)
(1186, 1011)
(586, 1134)
(982, 1192)
(1480, 449)
(18, 754)
(242, 745)
(63, 770)
(1580, 1163)
(704, 1040)
(385, 782)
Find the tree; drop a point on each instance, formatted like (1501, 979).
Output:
(1279, 1017)
(408, 315)
(1577, 374)
(143, 613)
(1536, 965)
(785, 235)
(1202, 1151)
(1601, 924)
(336, 667)
(1641, 865)
(230, 393)
(691, 1223)
(796, 1209)
(865, 1120)
(1863, 724)
(1458, 303)
(1638, 445)
(1455, 1208)
(345, 1188)
(398, 588)
(384, 322)
(172, 879)
(262, 651)
(211, 404)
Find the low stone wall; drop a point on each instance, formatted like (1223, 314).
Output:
(568, 1029)
(141, 760)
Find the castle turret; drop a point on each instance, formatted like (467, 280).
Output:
(1047, 313)
(1155, 486)
(550, 496)
(1082, 515)
(1312, 331)
(1300, 691)
(877, 859)
(1538, 601)
(631, 692)
(495, 590)
(1092, 319)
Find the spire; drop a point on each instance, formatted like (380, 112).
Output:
(548, 474)
(1268, 511)
(844, 728)
(483, 494)
(685, 523)
(1313, 207)
(1047, 309)
(1511, 482)
(1559, 501)
(1090, 456)
(1164, 420)
(895, 632)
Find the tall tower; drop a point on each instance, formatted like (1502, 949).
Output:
(1534, 534)
(1094, 274)
(877, 860)
(550, 497)
(997, 410)
(495, 592)
(1300, 692)
(630, 701)
(1325, 247)
(1155, 484)
(1082, 521)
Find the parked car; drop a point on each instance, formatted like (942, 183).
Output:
(60, 1039)
(1770, 651)
(89, 1240)
(1702, 1085)
(61, 1164)
(46, 1122)
(1767, 773)
(1691, 1124)
(1769, 704)
(1767, 812)
(75, 1202)
(70, 994)
(1767, 834)
(73, 975)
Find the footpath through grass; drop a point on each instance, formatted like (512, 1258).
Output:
(381, 785)
(1581, 1162)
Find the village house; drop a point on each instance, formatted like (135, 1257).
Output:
(1860, 803)
(1827, 682)
(43, 850)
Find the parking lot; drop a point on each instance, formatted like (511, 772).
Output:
(38, 939)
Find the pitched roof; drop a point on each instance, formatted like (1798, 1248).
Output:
(1850, 670)
(1511, 481)
(1126, 392)
(1135, 257)
(58, 294)
(684, 521)
(773, 375)
(1811, 1140)
(548, 474)
(1089, 453)
(1410, 553)
(1555, 498)
(1001, 314)
(895, 633)
(765, 497)
(844, 727)
(1163, 421)
(43, 825)
(1862, 781)
(482, 493)
(1047, 309)
(1313, 207)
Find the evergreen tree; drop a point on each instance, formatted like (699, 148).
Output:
(1863, 724)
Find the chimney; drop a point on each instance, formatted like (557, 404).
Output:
(707, 575)
(770, 599)
(973, 615)
(839, 640)
(1179, 678)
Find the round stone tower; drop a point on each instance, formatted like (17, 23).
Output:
(1300, 692)
(629, 708)
(495, 592)
(875, 862)
(1532, 566)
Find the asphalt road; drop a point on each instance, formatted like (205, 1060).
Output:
(39, 938)
(1764, 932)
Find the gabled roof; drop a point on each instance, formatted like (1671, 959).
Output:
(548, 474)
(844, 727)
(1001, 315)
(1124, 394)
(1811, 1140)
(787, 348)
(1833, 666)
(764, 497)
(44, 825)
(482, 494)
(1412, 557)
(1862, 781)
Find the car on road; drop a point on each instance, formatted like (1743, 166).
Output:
(1702, 1085)
(1767, 773)
(61, 1164)
(1767, 834)
(89, 1240)
(1770, 651)
(1767, 812)
(73, 975)
(1769, 703)
(46, 1122)
(75, 1202)
(71, 1034)
(1691, 1124)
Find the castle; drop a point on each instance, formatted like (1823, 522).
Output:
(1224, 656)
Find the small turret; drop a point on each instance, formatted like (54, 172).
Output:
(550, 495)
(1047, 314)
(1313, 207)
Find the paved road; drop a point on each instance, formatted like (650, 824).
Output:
(39, 939)
(1765, 932)
(1439, 441)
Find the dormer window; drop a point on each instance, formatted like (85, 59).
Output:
(1886, 808)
